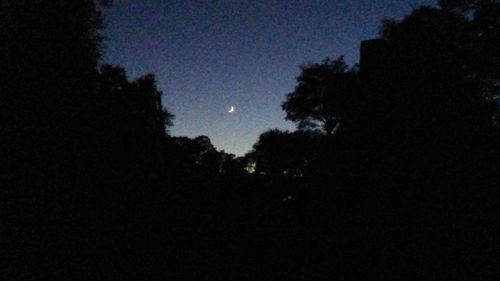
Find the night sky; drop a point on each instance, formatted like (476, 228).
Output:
(210, 55)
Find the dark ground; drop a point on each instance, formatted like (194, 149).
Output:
(255, 228)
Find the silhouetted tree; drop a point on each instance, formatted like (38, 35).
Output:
(427, 130)
(232, 165)
(132, 121)
(80, 146)
(435, 98)
(283, 153)
(323, 95)
(197, 156)
(49, 148)
(49, 53)
(270, 153)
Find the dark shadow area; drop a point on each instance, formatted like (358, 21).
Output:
(392, 173)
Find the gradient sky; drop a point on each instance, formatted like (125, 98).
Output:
(209, 55)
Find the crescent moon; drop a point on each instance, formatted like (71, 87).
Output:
(231, 110)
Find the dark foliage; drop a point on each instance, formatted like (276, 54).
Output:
(398, 182)
(283, 153)
(323, 95)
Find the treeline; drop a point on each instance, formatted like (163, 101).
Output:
(402, 146)
(81, 145)
(87, 165)
(424, 97)
(422, 105)
(66, 118)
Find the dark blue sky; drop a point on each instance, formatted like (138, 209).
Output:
(209, 55)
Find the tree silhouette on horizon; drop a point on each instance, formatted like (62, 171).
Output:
(392, 172)
(322, 95)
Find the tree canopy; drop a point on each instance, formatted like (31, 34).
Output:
(394, 163)
(49, 53)
(279, 152)
(322, 96)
